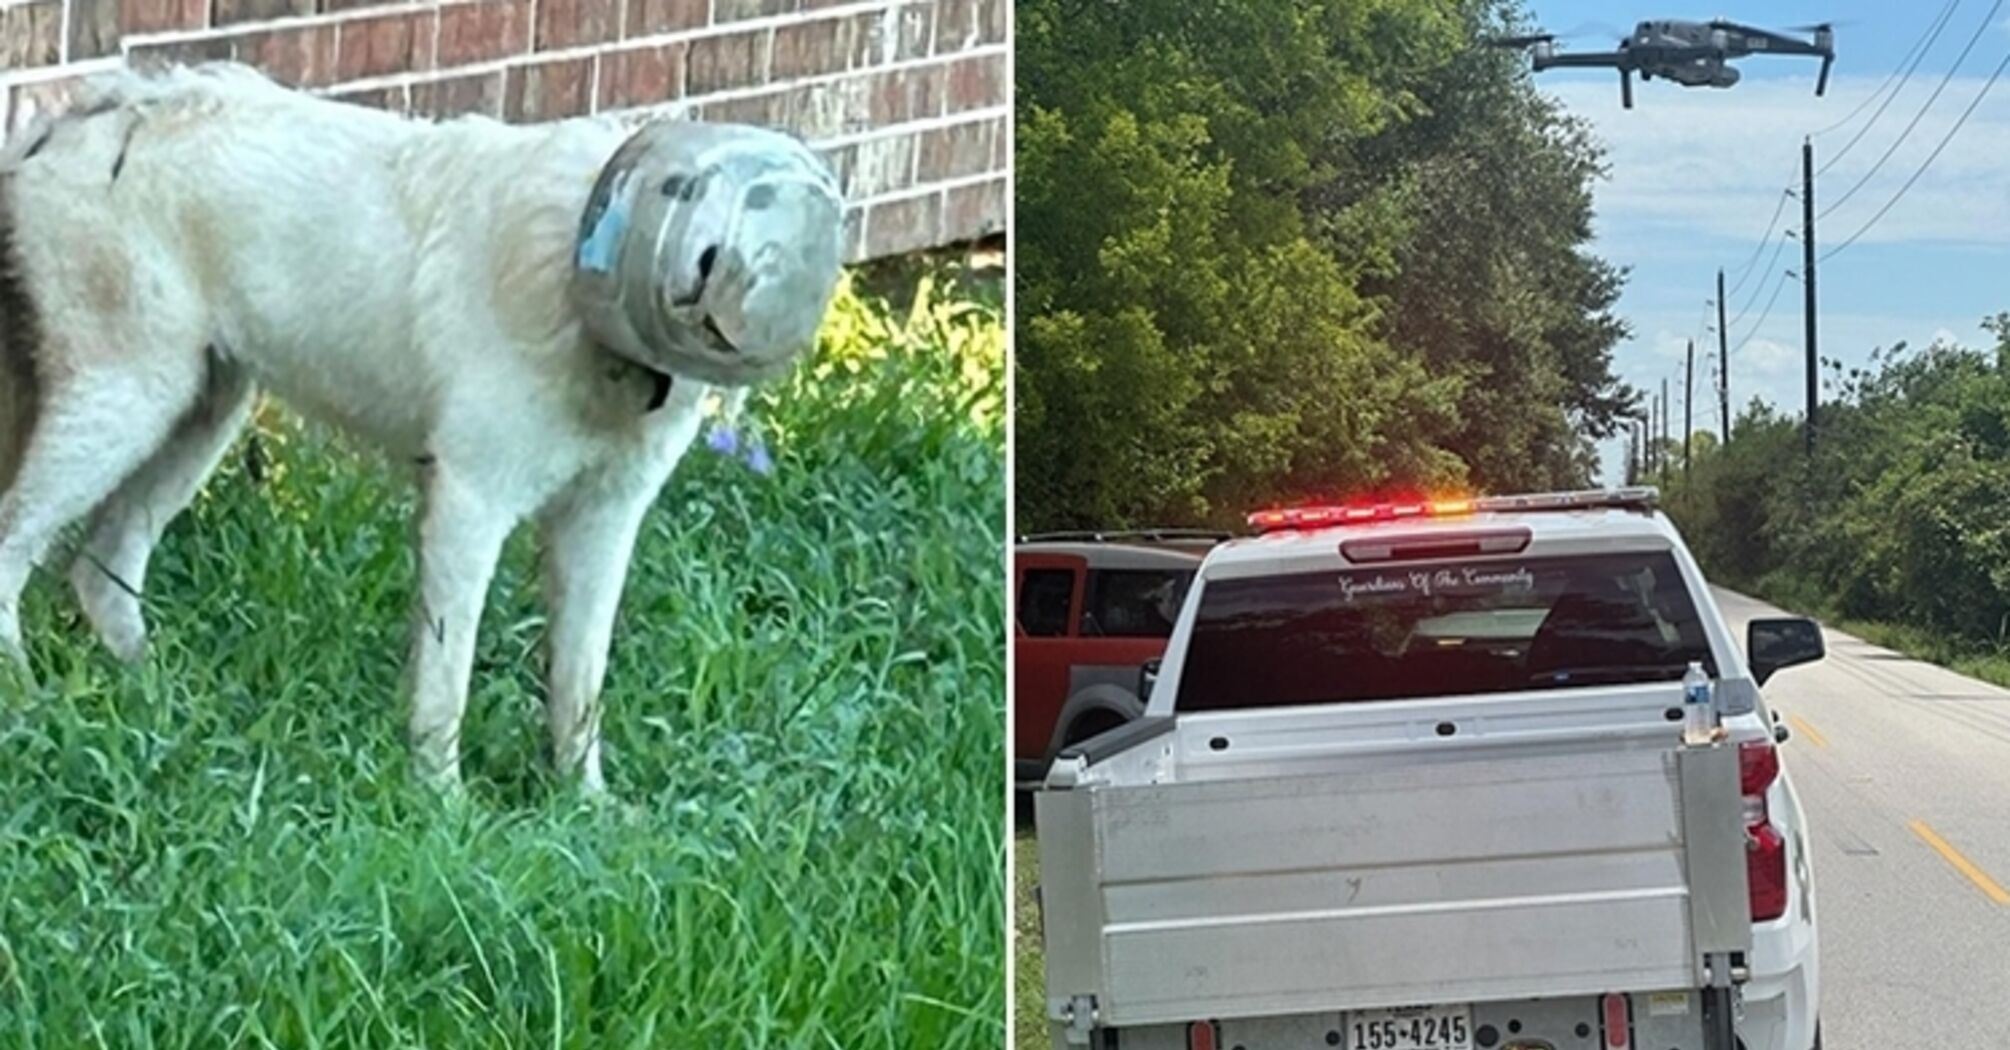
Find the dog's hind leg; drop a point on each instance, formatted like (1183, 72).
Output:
(95, 423)
(111, 568)
(461, 534)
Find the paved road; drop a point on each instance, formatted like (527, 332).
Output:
(1903, 770)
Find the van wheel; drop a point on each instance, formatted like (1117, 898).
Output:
(1092, 723)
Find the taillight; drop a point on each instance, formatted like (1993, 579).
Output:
(1200, 1035)
(1766, 866)
(1758, 767)
(1765, 847)
(1618, 1036)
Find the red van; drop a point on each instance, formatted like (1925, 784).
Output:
(1091, 609)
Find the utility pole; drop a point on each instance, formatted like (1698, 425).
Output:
(1662, 449)
(1688, 407)
(1723, 363)
(1632, 453)
(1808, 274)
(1647, 439)
(1653, 427)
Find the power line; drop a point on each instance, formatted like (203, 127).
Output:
(1918, 47)
(1772, 227)
(1930, 158)
(1778, 287)
(1770, 265)
(1988, 22)
(1854, 139)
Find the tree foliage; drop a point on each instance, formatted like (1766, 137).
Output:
(1899, 514)
(1271, 250)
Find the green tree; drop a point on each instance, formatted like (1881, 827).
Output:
(1277, 249)
(1899, 514)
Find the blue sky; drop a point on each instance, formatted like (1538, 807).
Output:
(1696, 174)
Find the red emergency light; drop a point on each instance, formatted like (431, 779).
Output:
(1325, 516)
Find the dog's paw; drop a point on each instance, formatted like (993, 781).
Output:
(609, 807)
(113, 610)
(440, 775)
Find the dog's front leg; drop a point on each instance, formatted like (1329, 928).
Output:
(461, 535)
(587, 547)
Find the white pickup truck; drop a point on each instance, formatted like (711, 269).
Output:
(1413, 777)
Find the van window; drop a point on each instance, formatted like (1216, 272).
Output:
(1441, 629)
(1133, 603)
(1044, 596)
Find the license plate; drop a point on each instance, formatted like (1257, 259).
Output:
(1412, 1028)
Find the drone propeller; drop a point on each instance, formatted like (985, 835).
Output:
(1576, 32)
(1520, 41)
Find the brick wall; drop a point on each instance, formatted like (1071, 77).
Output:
(909, 98)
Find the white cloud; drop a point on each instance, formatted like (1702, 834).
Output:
(1699, 160)
(1695, 173)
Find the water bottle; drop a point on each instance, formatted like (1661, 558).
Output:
(1697, 720)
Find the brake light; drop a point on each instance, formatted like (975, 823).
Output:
(1200, 1035)
(1765, 847)
(1758, 767)
(1618, 1035)
(1766, 866)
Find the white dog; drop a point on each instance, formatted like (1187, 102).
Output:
(464, 295)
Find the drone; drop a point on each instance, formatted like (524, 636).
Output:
(1693, 54)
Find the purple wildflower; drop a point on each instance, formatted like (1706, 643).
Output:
(758, 459)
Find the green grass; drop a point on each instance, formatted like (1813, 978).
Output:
(224, 848)
(1029, 974)
(1988, 663)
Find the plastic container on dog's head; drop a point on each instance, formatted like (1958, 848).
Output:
(709, 251)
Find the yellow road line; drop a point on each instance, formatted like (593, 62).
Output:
(1961, 864)
(1802, 727)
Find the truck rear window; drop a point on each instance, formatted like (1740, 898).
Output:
(1440, 629)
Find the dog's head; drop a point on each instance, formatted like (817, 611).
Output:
(709, 251)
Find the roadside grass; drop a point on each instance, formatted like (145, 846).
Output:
(1979, 660)
(1029, 976)
(1990, 665)
(223, 848)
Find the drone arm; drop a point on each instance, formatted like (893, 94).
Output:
(1586, 60)
(1786, 45)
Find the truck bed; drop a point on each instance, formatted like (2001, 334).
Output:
(1479, 875)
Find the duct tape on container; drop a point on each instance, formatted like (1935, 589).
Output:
(709, 251)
